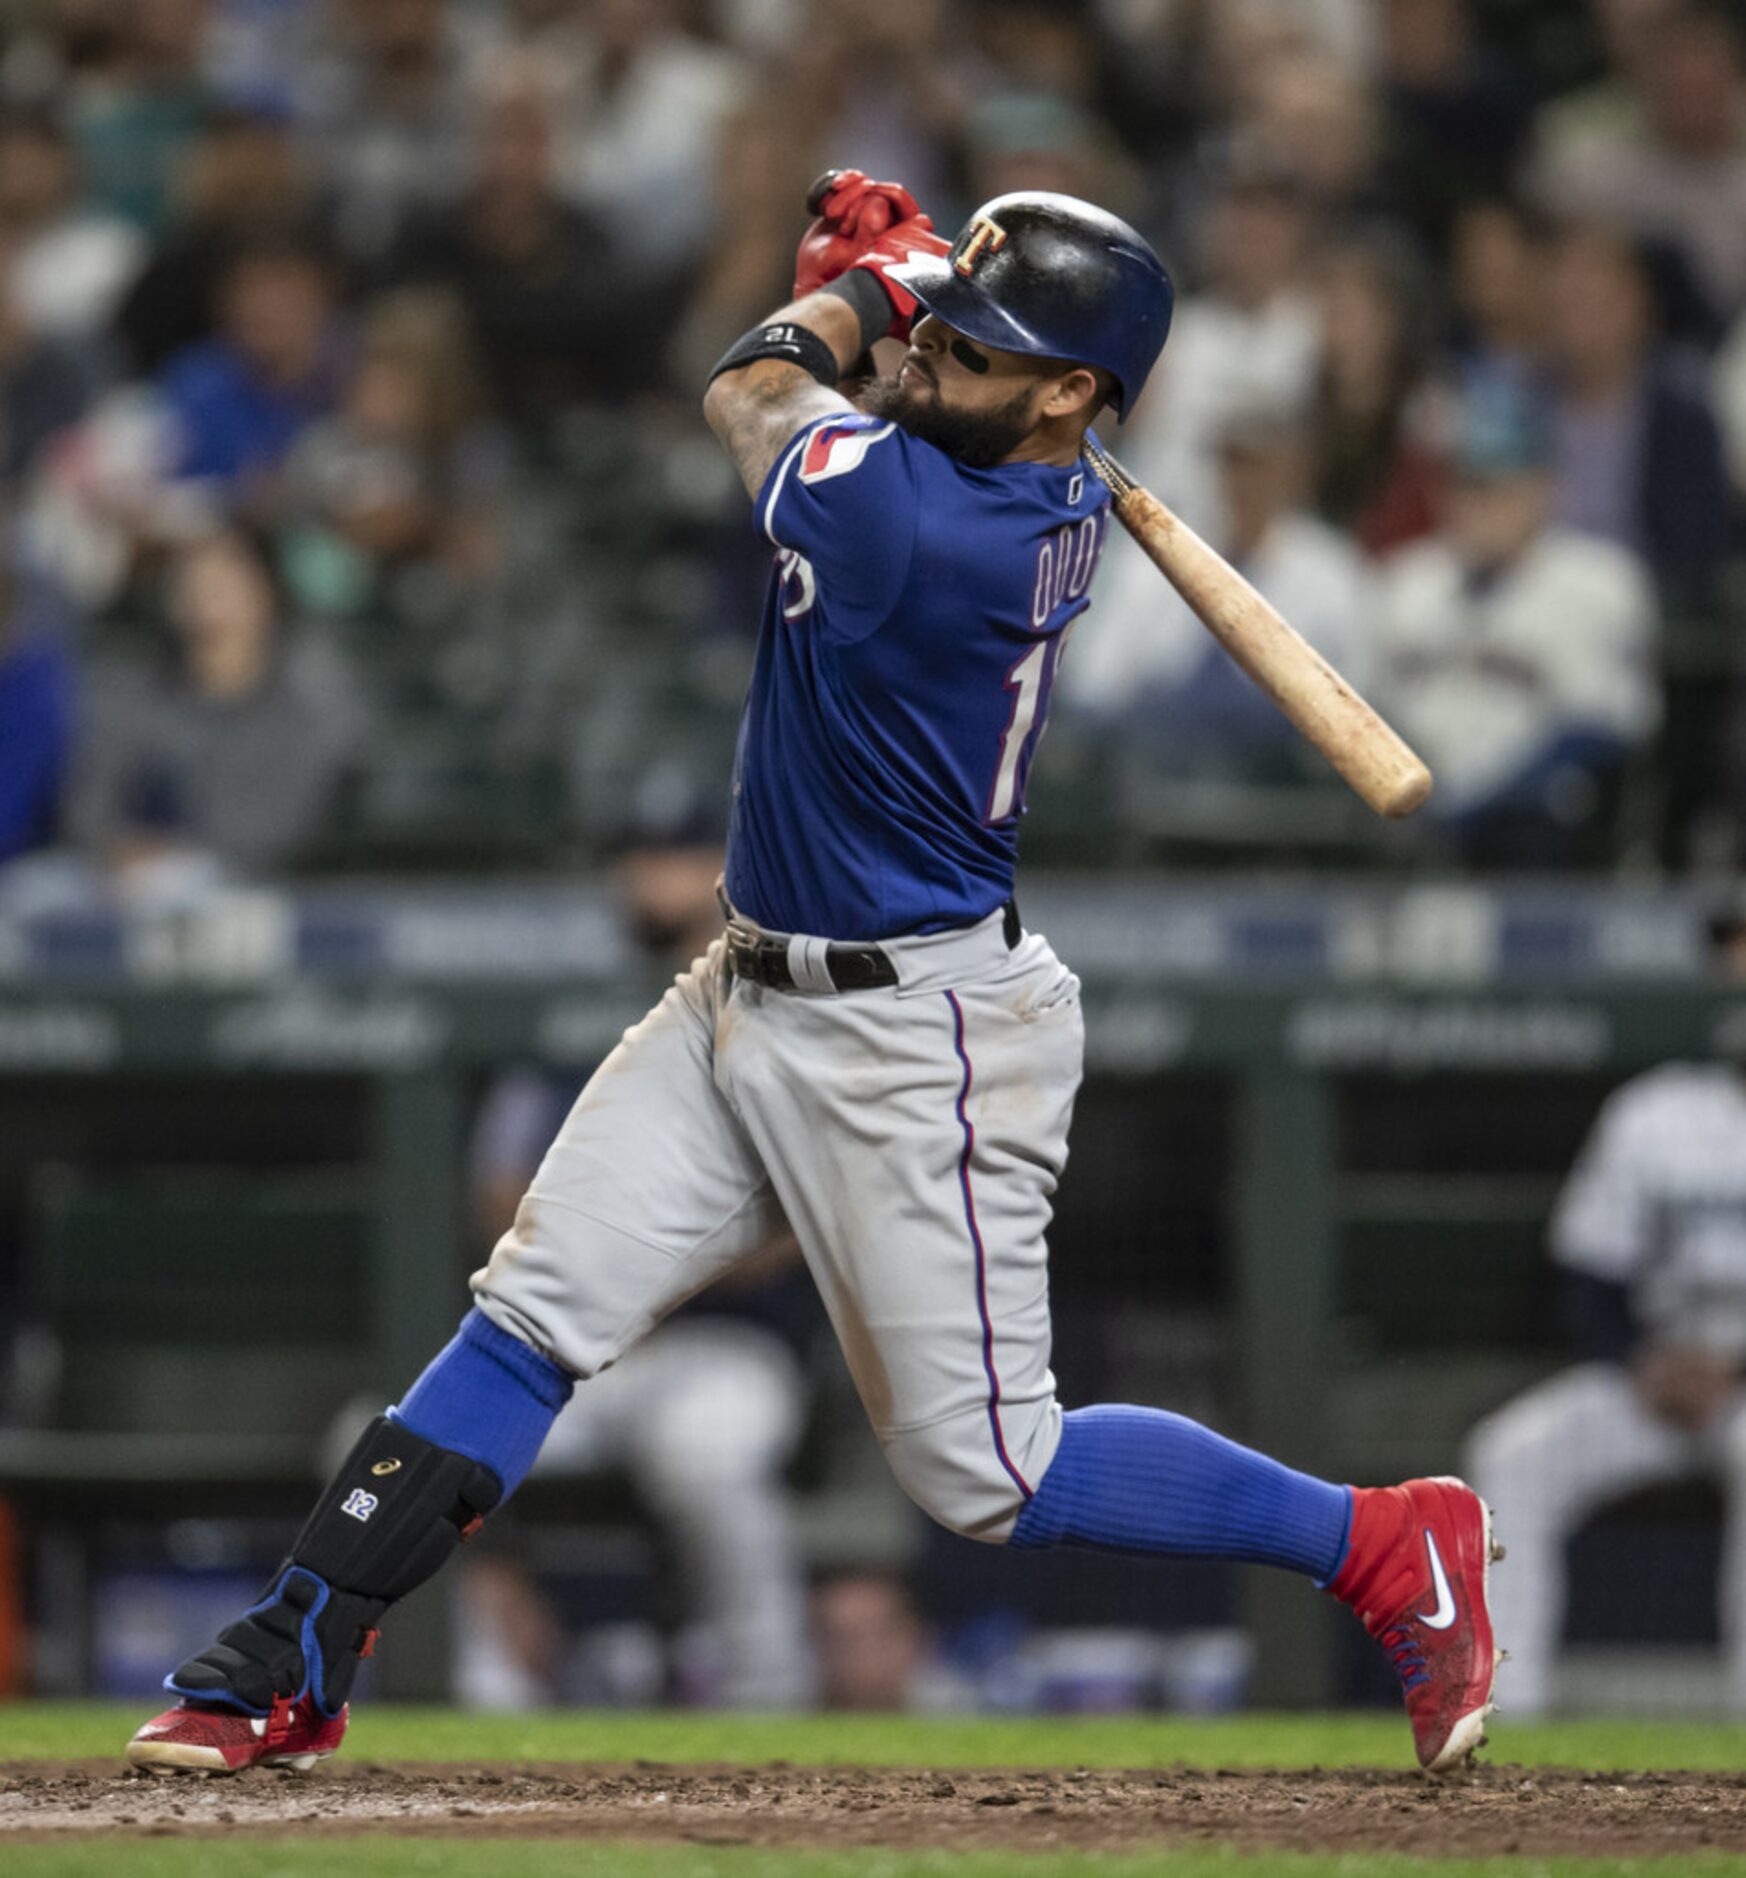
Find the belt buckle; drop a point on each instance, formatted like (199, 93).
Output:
(743, 957)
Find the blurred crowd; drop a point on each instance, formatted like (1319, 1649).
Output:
(358, 512)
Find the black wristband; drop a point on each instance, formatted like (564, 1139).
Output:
(794, 345)
(867, 298)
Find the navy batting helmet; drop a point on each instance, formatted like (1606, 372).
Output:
(1056, 278)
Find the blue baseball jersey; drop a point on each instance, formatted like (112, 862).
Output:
(916, 616)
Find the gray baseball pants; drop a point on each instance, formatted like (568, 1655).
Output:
(911, 1135)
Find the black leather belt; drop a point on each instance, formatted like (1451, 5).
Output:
(762, 959)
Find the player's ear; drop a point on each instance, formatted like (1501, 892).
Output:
(1074, 394)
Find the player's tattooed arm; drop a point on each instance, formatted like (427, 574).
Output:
(757, 409)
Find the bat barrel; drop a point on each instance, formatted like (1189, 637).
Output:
(1372, 757)
(1399, 785)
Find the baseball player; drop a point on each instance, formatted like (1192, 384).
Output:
(875, 1048)
(1650, 1234)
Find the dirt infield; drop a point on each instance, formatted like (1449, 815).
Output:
(1493, 1809)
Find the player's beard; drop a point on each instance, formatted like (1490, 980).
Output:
(978, 439)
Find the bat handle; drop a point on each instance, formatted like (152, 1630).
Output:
(815, 196)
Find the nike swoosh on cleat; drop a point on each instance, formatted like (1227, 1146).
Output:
(1444, 1615)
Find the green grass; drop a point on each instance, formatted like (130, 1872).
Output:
(44, 1731)
(476, 1858)
(47, 1731)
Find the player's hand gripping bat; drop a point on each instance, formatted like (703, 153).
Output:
(1366, 751)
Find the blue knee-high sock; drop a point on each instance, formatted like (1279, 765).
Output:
(1142, 1480)
(489, 1396)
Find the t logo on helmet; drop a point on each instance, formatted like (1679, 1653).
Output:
(985, 234)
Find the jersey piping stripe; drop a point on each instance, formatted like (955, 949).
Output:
(969, 1129)
(795, 449)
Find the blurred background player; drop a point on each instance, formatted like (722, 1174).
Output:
(1514, 652)
(1650, 1240)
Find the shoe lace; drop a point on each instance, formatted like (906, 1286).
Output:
(1407, 1655)
(279, 1719)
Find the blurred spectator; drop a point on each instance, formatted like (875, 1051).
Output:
(1728, 389)
(1650, 1240)
(384, 111)
(1456, 113)
(1145, 659)
(1380, 473)
(258, 53)
(243, 173)
(644, 131)
(1038, 47)
(1029, 140)
(409, 466)
(894, 83)
(870, 1641)
(873, 1649)
(233, 749)
(46, 384)
(556, 320)
(1234, 42)
(103, 496)
(1518, 655)
(1612, 104)
(664, 881)
(242, 399)
(1249, 336)
(1677, 172)
(56, 45)
(1497, 285)
(1638, 450)
(70, 264)
(135, 119)
(768, 161)
(38, 687)
(1320, 122)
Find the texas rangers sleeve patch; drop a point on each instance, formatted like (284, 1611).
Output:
(836, 449)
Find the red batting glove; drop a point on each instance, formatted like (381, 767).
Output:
(901, 242)
(855, 213)
(824, 256)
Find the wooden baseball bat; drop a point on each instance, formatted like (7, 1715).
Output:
(1366, 751)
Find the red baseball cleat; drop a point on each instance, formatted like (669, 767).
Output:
(193, 1738)
(1415, 1573)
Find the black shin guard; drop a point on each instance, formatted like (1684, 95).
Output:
(388, 1521)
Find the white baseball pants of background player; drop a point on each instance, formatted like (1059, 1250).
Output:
(703, 1417)
(1550, 1459)
(912, 1135)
